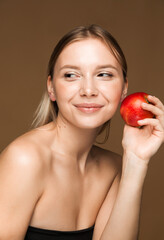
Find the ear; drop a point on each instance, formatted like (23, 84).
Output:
(50, 89)
(124, 90)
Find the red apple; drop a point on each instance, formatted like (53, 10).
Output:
(131, 110)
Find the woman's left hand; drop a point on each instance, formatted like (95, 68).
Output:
(145, 142)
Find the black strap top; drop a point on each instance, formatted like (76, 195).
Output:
(34, 233)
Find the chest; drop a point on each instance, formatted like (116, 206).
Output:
(71, 200)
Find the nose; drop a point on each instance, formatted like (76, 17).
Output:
(88, 88)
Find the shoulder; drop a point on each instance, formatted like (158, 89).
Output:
(108, 160)
(22, 183)
(23, 154)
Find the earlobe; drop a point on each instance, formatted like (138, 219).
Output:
(50, 89)
(123, 96)
(125, 90)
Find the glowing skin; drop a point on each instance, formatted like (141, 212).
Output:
(87, 83)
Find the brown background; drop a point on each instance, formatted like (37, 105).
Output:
(28, 32)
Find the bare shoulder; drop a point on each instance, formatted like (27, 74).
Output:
(30, 151)
(23, 152)
(108, 160)
(21, 185)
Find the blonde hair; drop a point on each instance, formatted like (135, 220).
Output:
(47, 110)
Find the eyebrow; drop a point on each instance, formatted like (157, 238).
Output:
(98, 67)
(69, 66)
(107, 66)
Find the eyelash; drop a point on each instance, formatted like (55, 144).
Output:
(68, 75)
(107, 75)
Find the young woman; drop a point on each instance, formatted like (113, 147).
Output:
(54, 182)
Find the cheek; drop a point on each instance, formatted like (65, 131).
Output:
(64, 91)
(112, 92)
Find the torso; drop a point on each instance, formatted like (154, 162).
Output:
(71, 200)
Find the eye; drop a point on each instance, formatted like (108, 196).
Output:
(106, 75)
(69, 75)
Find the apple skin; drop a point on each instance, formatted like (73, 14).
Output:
(131, 110)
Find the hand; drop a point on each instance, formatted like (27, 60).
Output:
(145, 142)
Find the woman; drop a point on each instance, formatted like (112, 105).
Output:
(54, 182)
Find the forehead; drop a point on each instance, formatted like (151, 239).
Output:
(86, 52)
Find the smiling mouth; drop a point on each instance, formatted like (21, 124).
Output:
(88, 107)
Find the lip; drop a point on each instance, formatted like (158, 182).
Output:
(88, 107)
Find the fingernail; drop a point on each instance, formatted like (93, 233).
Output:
(139, 121)
(144, 104)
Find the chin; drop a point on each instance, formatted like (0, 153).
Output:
(89, 124)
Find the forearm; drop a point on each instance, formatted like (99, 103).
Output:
(123, 223)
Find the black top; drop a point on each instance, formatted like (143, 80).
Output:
(34, 233)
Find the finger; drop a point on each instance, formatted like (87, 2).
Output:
(153, 108)
(157, 129)
(154, 100)
(155, 123)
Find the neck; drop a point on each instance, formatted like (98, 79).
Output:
(73, 142)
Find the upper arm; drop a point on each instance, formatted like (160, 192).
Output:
(107, 206)
(19, 190)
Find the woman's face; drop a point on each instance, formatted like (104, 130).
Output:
(87, 83)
